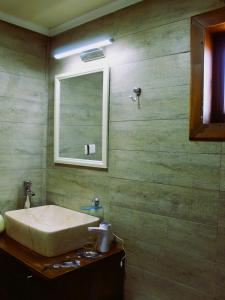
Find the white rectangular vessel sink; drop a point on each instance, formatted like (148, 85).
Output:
(49, 230)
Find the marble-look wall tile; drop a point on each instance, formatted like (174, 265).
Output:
(220, 278)
(13, 85)
(143, 285)
(151, 43)
(157, 135)
(71, 190)
(22, 64)
(159, 72)
(187, 238)
(185, 203)
(180, 169)
(170, 264)
(162, 192)
(22, 110)
(11, 188)
(23, 115)
(157, 13)
(20, 40)
(156, 104)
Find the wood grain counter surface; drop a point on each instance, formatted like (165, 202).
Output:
(42, 265)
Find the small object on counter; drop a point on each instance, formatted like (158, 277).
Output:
(67, 264)
(90, 246)
(64, 264)
(79, 253)
(87, 253)
(90, 254)
(2, 223)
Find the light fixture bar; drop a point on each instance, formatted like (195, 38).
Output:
(84, 48)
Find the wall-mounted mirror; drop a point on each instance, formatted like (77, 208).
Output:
(81, 117)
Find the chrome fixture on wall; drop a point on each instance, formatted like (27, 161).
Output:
(27, 193)
(136, 96)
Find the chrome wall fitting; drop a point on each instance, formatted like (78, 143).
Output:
(136, 96)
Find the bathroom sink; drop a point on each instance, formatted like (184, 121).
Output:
(49, 230)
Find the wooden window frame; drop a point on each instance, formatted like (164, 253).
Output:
(203, 27)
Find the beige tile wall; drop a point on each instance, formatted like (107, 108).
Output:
(163, 194)
(23, 114)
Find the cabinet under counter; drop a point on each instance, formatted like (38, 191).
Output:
(26, 275)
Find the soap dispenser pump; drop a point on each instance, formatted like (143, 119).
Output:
(104, 236)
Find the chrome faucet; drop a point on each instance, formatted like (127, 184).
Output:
(27, 193)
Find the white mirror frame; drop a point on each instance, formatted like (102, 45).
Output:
(105, 103)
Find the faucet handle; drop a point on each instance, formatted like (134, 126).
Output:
(27, 184)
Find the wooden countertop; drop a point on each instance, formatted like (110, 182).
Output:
(42, 265)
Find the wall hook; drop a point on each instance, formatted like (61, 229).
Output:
(136, 96)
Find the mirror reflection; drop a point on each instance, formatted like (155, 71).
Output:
(81, 116)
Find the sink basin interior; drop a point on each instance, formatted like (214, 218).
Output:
(49, 230)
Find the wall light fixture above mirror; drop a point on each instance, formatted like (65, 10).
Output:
(83, 48)
(81, 116)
